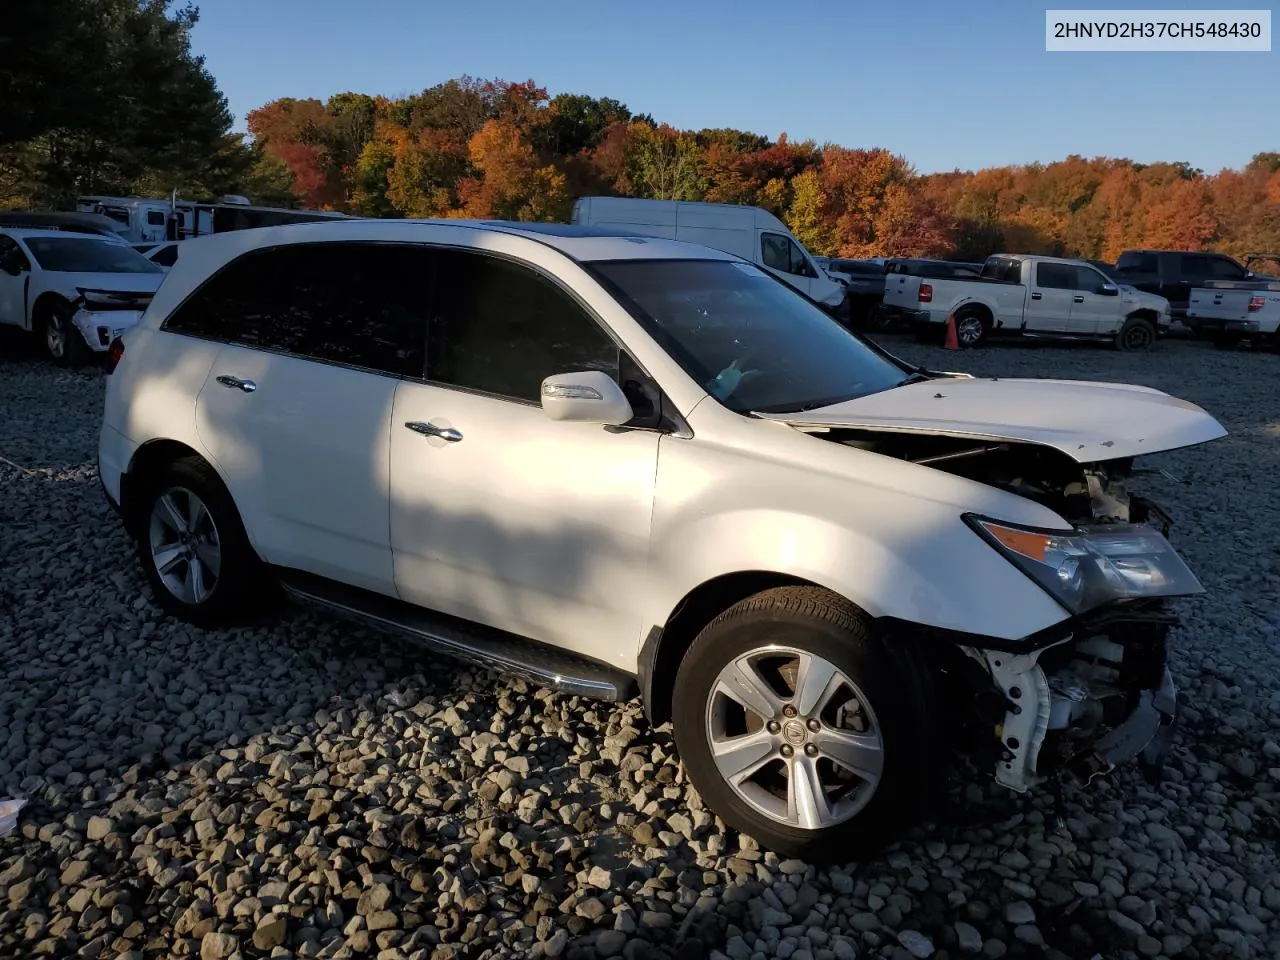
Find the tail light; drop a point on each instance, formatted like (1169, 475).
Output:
(926, 293)
(114, 354)
(1255, 304)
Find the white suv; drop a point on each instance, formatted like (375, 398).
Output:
(621, 466)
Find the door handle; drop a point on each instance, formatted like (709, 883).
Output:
(1079, 299)
(431, 430)
(248, 386)
(1037, 296)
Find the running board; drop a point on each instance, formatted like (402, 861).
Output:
(463, 640)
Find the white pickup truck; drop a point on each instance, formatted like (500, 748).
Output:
(1030, 296)
(1230, 311)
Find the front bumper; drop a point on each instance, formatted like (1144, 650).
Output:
(100, 327)
(1077, 709)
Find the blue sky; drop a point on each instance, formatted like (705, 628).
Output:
(947, 84)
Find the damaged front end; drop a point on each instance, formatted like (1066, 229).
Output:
(1098, 699)
(1094, 692)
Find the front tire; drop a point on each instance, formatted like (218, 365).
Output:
(60, 341)
(193, 547)
(1136, 334)
(798, 728)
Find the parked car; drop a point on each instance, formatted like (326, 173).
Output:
(621, 465)
(896, 269)
(163, 255)
(1232, 311)
(74, 292)
(1173, 273)
(1038, 297)
(70, 222)
(751, 233)
(864, 286)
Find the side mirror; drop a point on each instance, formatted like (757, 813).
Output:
(1109, 290)
(586, 397)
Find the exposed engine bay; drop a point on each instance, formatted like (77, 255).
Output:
(1096, 697)
(1079, 493)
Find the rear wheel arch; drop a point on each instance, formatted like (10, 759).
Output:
(146, 462)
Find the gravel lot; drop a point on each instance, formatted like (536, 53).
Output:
(305, 789)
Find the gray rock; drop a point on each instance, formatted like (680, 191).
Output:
(216, 946)
(610, 943)
(968, 938)
(1019, 912)
(916, 943)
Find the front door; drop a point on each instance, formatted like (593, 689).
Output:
(1049, 299)
(296, 409)
(1094, 313)
(13, 286)
(780, 254)
(499, 514)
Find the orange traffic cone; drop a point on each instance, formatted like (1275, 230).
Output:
(952, 342)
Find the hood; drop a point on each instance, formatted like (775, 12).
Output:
(67, 283)
(1087, 421)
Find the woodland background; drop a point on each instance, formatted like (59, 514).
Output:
(105, 96)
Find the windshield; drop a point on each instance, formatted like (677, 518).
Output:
(83, 255)
(751, 341)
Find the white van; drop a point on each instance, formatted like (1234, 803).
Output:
(747, 232)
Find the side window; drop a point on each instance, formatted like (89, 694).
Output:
(799, 263)
(1196, 266)
(1220, 268)
(342, 303)
(1089, 280)
(501, 328)
(775, 250)
(167, 257)
(10, 252)
(1055, 276)
(155, 218)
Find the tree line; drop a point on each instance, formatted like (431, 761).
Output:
(106, 96)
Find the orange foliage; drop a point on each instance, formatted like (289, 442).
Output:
(490, 148)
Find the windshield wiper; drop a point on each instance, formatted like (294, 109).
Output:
(918, 377)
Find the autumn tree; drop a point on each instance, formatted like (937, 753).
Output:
(510, 183)
(664, 164)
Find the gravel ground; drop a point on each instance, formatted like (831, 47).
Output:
(305, 789)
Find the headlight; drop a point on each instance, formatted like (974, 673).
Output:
(1085, 569)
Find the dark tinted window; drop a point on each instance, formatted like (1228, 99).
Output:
(352, 303)
(782, 253)
(1220, 268)
(1196, 265)
(1055, 276)
(166, 256)
(1001, 268)
(1089, 280)
(155, 218)
(85, 255)
(12, 256)
(1137, 262)
(502, 328)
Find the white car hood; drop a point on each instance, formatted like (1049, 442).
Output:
(1087, 421)
(66, 283)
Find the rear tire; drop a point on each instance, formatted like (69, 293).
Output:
(193, 547)
(971, 329)
(1136, 334)
(775, 774)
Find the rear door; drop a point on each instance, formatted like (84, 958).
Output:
(296, 409)
(14, 280)
(1049, 301)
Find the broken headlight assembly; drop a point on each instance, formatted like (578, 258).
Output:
(1087, 567)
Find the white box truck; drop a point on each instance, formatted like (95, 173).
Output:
(747, 232)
